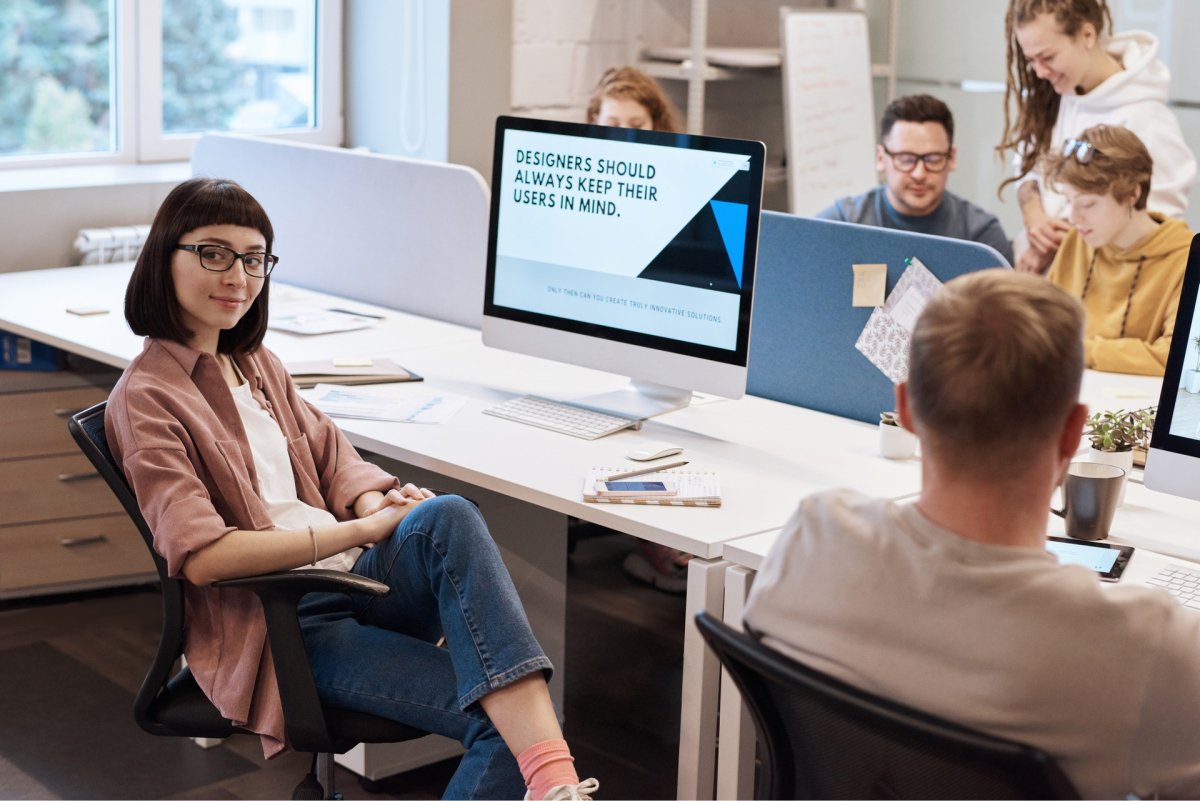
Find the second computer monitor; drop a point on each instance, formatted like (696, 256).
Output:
(1173, 462)
(628, 251)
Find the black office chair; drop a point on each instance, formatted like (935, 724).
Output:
(171, 703)
(823, 738)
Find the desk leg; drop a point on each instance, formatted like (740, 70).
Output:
(701, 682)
(735, 736)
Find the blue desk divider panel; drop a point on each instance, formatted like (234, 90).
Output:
(803, 330)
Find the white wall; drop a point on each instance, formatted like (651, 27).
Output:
(427, 78)
(398, 77)
(560, 49)
(37, 226)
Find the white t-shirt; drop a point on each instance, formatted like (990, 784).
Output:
(1003, 639)
(276, 484)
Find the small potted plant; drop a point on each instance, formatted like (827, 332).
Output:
(1115, 435)
(1191, 380)
(895, 441)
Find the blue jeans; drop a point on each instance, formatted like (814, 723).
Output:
(378, 655)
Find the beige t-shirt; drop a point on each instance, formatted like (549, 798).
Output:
(1104, 678)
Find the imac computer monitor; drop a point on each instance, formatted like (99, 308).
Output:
(628, 251)
(1173, 461)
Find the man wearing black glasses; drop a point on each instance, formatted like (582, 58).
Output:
(916, 155)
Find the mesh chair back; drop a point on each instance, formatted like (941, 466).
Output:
(823, 738)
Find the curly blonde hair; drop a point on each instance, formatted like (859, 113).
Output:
(630, 83)
(1036, 101)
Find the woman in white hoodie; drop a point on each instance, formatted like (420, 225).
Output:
(1064, 76)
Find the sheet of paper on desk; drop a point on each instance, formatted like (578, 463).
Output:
(339, 401)
(320, 321)
(884, 340)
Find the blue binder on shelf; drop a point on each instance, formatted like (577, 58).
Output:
(803, 328)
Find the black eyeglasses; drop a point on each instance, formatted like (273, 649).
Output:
(218, 259)
(1081, 150)
(907, 162)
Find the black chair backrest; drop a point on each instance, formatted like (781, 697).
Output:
(823, 738)
(87, 427)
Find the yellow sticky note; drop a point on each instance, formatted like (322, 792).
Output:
(870, 284)
(352, 362)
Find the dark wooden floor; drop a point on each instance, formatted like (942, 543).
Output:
(624, 649)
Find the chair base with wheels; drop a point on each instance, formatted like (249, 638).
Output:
(171, 703)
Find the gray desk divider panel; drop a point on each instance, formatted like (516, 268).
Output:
(403, 233)
(803, 330)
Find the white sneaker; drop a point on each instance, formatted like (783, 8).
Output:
(571, 792)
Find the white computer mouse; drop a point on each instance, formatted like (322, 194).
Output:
(647, 451)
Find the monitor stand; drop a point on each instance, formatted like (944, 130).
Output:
(638, 400)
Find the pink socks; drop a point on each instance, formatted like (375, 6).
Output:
(547, 765)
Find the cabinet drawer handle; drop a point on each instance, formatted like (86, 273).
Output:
(66, 412)
(75, 542)
(66, 478)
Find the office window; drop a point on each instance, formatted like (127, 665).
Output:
(102, 81)
(235, 65)
(56, 93)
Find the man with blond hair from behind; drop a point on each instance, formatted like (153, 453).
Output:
(952, 604)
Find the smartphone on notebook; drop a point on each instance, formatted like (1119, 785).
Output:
(633, 489)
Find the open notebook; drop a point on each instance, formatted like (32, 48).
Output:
(693, 488)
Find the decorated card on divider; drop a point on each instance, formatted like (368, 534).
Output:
(885, 338)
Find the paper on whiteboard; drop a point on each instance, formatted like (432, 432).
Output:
(340, 401)
(886, 336)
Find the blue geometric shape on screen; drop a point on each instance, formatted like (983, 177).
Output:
(731, 219)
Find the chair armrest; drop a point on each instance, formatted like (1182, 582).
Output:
(304, 718)
(296, 583)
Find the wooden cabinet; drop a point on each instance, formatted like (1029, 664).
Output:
(61, 528)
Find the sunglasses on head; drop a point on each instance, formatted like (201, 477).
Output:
(1083, 151)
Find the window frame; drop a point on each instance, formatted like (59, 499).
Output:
(136, 84)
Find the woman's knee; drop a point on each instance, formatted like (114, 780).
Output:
(451, 515)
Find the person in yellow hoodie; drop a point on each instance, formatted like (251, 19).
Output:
(1124, 261)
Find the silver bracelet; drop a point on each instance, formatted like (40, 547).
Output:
(313, 536)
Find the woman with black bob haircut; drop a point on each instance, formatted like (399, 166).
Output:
(150, 306)
(238, 475)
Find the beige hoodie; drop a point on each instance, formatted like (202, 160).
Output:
(1131, 298)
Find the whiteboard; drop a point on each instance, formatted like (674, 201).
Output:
(828, 105)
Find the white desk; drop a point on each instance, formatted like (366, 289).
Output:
(34, 304)
(767, 454)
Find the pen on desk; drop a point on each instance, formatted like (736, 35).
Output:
(356, 313)
(643, 471)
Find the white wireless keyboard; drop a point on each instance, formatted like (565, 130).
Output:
(561, 417)
(1184, 584)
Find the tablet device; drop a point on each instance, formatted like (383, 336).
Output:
(1107, 559)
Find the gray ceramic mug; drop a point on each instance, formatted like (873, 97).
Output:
(1091, 493)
